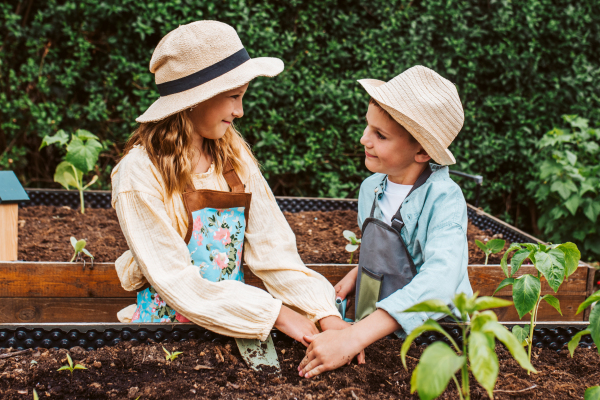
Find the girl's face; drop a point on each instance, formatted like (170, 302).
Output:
(212, 117)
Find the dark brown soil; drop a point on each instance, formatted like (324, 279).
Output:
(207, 370)
(44, 233)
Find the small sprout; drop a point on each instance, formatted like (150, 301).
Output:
(492, 247)
(33, 362)
(353, 245)
(35, 395)
(79, 247)
(171, 356)
(70, 367)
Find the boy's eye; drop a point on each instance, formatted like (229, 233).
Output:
(380, 136)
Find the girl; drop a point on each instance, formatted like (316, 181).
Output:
(189, 195)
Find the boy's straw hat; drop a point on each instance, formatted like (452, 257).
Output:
(426, 105)
(197, 61)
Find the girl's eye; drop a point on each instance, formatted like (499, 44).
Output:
(235, 96)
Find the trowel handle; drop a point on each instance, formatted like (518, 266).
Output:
(341, 306)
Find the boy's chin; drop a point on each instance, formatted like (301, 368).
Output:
(372, 166)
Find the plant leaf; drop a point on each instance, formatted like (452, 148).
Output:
(552, 266)
(592, 393)
(506, 282)
(595, 326)
(574, 342)
(94, 179)
(496, 245)
(437, 366)
(511, 342)
(526, 291)
(74, 242)
(87, 253)
(349, 235)
(573, 203)
(83, 155)
(64, 368)
(481, 318)
(572, 255)
(79, 366)
(483, 360)
(553, 301)
(481, 245)
(587, 302)
(592, 210)
(429, 325)
(61, 137)
(35, 395)
(520, 333)
(486, 302)
(517, 260)
(69, 359)
(85, 135)
(433, 305)
(503, 264)
(65, 175)
(351, 247)
(413, 380)
(80, 245)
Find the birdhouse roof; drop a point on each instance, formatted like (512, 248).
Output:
(11, 190)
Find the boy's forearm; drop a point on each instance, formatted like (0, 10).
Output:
(374, 327)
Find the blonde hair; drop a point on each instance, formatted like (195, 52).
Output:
(168, 143)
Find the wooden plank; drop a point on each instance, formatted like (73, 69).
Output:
(40, 309)
(333, 272)
(9, 234)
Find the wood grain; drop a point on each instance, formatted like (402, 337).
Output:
(40, 309)
(9, 234)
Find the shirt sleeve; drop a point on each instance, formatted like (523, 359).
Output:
(438, 278)
(271, 253)
(228, 307)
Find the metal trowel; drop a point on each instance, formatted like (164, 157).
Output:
(259, 354)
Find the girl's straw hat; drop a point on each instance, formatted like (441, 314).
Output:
(198, 61)
(426, 105)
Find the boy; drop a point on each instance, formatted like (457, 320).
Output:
(412, 215)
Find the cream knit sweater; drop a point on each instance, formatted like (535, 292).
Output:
(155, 225)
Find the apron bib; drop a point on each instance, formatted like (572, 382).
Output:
(385, 265)
(215, 238)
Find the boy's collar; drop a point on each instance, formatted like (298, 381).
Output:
(383, 184)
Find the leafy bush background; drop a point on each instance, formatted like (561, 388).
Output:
(518, 66)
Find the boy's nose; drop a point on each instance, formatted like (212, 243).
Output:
(364, 140)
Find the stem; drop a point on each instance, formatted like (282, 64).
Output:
(465, 368)
(486, 258)
(81, 200)
(351, 255)
(531, 327)
(458, 388)
(74, 255)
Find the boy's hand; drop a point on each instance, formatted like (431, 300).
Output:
(327, 351)
(347, 285)
(295, 325)
(336, 323)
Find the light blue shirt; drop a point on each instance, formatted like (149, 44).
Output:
(435, 234)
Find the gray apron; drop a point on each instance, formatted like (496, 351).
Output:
(385, 265)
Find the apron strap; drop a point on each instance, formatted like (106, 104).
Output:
(232, 178)
(397, 222)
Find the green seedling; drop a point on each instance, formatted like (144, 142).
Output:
(592, 393)
(491, 247)
(35, 395)
(353, 245)
(70, 367)
(171, 356)
(83, 151)
(79, 247)
(594, 327)
(439, 362)
(555, 262)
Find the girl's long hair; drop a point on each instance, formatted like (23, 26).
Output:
(168, 143)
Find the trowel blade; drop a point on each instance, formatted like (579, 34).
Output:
(258, 354)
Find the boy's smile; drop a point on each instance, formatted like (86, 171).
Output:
(390, 149)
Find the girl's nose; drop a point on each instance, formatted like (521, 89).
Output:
(238, 111)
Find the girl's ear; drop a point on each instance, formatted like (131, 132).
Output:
(422, 156)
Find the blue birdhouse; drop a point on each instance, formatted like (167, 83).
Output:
(11, 194)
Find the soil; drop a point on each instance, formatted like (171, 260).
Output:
(44, 233)
(206, 370)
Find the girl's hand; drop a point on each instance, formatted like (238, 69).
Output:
(347, 285)
(336, 323)
(327, 351)
(295, 325)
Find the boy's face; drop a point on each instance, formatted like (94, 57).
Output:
(389, 148)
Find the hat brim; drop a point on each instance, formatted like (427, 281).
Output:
(166, 106)
(432, 146)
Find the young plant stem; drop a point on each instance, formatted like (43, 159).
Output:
(532, 326)
(486, 258)
(74, 255)
(351, 255)
(458, 388)
(81, 199)
(465, 368)
(79, 188)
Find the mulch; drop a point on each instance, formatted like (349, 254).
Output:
(45, 231)
(209, 371)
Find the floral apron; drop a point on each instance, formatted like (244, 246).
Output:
(215, 237)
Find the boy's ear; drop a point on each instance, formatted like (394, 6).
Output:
(422, 156)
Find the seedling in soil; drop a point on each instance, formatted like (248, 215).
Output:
(35, 395)
(353, 245)
(555, 262)
(82, 155)
(171, 356)
(439, 363)
(491, 247)
(594, 327)
(79, 247)
(70, 367)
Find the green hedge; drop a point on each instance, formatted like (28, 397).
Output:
(518, 67)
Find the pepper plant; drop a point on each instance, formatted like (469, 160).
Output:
(71, 367)
(493, 246)
(82, 155)
(555, 262)
(439, 363)
(594, 327)
(353, 245)
(171, 356)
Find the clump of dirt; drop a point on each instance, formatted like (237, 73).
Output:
(208, 370)
(44, 233)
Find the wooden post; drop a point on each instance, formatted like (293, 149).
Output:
(9, 234)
